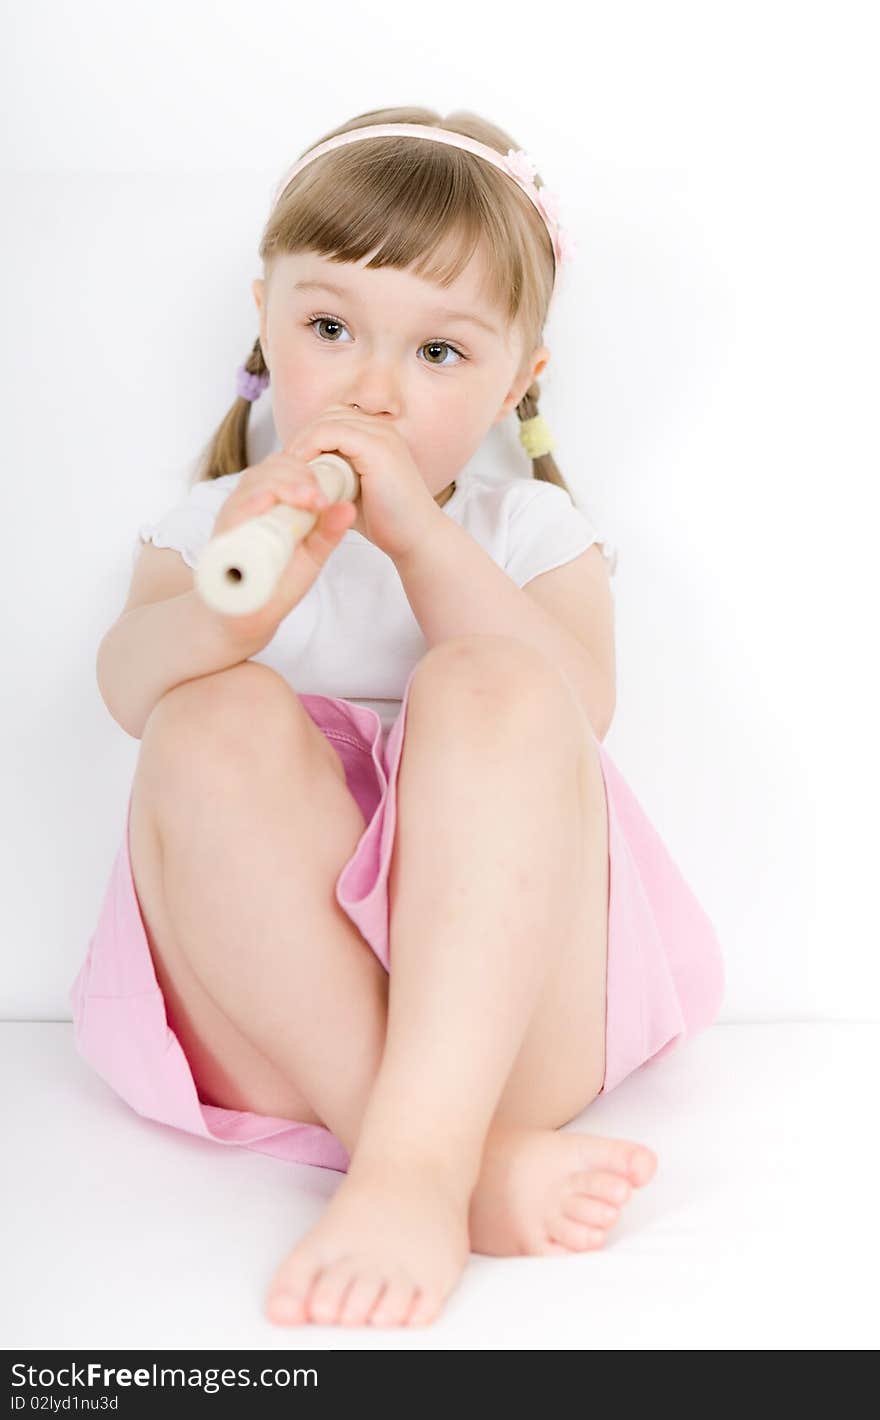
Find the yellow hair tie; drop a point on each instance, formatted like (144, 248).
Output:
(535, 436)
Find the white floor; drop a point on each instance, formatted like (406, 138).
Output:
(759, 1230)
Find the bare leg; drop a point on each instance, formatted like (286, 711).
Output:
(238, 885)
(240, 823)
(487, 875)
(484, 884)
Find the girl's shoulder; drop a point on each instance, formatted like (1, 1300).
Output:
(528, 521)
(187, 524)
(512, 495)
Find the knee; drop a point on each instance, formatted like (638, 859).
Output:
(232, 716)
(502, 676)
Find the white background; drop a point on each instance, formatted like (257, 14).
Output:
(712, 391)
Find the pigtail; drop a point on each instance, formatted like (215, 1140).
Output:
(226, 452)
(544, 466)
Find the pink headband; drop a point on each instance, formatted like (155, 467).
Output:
(517, 164)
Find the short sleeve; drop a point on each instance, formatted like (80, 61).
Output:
(187, 527)
(546, 530)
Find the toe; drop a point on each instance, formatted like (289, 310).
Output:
(610, 1187)
(635, 1161)
(324, 1301)
(641, 1164)
(289, 1291)
(394, 1304)
(576, 1237)
(288, 1295)
(361, 1297)
(425, 1310)
(286, 1308)
(591, 1211)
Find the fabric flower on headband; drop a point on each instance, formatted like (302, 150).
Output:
(548, 203)
(522, 169)
(519, 165)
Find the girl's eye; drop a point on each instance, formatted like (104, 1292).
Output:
(431, 345)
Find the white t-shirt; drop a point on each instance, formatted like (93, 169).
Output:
(354, 633)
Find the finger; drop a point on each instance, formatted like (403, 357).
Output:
(328, 428)
(332, 416)
(298, 492)
(299, 470)
(333, 436)
(326, 534)
(309, 495)
(334, 520)
(258, 498)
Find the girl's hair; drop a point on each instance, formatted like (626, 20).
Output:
(410, 201)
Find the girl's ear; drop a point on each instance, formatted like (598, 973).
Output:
(258, 287)
(540, 361)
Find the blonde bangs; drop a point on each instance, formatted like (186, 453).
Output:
(424, 207)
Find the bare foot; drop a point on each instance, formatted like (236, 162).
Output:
(388, 1250)
(392, 1242)
(543, 1193)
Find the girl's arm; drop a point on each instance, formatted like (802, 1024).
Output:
(153, 647)
(455, 589)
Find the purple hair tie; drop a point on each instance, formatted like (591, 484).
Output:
(250, 386)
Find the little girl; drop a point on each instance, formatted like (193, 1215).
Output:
(397, 761)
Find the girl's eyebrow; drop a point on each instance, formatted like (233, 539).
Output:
(440, 313)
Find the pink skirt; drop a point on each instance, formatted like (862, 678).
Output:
(665, 975)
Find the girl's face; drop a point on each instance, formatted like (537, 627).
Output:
(402, 349)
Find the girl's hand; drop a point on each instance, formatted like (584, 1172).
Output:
(398, 510)
(281, 478)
